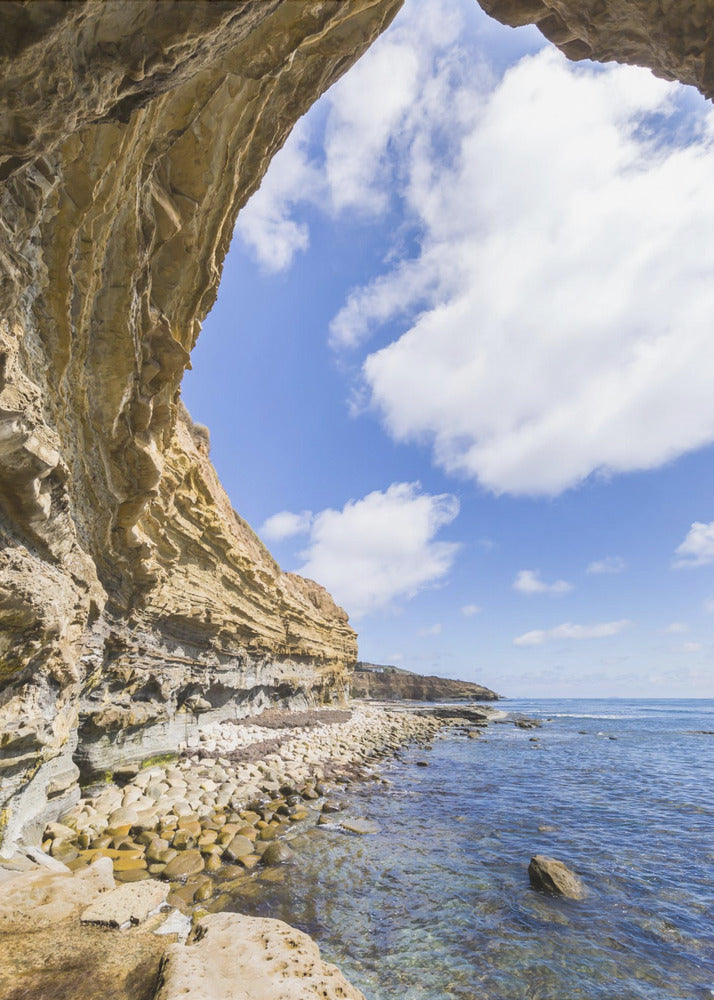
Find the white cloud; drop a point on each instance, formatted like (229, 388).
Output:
(430, 630)
(265, 224)
(469, 610)
(365, 113)
(528, 581)
(691, 647)
(381, 548)
(697, 549)
(285, 525)
(708, 605)
(564, 324)
(675, 628)
(611, 564)
(569, 631)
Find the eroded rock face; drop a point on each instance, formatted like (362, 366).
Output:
(390, 684)
(132, 598)
(675, 40)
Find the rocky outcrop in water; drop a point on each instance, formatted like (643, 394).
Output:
(133, 599)
(554, 878)
(392, 684)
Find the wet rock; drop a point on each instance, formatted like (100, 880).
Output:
(361, 826)
(554, 878)
(277, 853)
(184, 864)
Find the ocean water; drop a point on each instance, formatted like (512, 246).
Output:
(438, 904)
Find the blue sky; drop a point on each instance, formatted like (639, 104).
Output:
(459, 367)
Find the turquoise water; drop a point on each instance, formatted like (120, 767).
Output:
(438, 904)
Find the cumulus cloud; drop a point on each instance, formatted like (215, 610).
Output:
(697, 549)
(382, 548)
(675, 628)
(528, 581)
(340, 157)
(266, 225)
(569, 631)
(563, 322)
(285, 525)
(611, 564)
(469, 610)
(430, 630)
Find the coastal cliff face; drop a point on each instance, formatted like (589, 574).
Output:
(133, 601)
(675, 40)
(390, 684)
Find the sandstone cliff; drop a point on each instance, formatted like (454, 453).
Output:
(391, 684)
(132, 598)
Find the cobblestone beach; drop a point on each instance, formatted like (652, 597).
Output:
(231, 801)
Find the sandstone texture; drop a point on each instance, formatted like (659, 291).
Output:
(133, 600)
(250, 958)
(675, 40)
(393, 684)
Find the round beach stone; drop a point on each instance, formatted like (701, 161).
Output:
(277, 853)
(238, 848)
(184, 864)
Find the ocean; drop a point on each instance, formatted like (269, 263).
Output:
(438, 903)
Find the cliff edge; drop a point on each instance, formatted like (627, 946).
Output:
(386, 683)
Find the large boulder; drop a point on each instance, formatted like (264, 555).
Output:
(554, 878)
(234, 957)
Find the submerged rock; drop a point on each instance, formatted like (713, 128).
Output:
(554, 878)
(361, 826)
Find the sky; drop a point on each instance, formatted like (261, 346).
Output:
(459, 369)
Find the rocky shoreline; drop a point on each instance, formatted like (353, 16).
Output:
(168, 846)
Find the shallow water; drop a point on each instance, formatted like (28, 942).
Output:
(438, 905)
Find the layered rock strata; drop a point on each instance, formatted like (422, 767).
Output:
(386, 683)
(132, 598)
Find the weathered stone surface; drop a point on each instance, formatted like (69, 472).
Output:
(35, 900)
(387, 683)
(127, 904)
(555, 878)
(249, 958)
(133, 600)
(675, 40)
